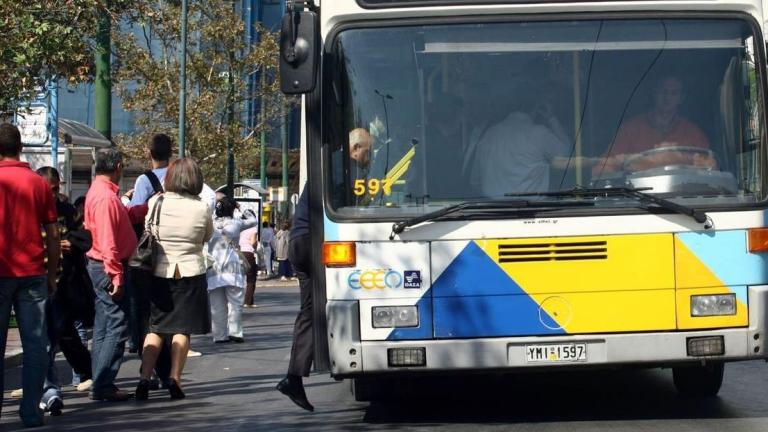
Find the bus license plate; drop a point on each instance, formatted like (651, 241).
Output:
(574, 352)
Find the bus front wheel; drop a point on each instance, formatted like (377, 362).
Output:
(700, 380)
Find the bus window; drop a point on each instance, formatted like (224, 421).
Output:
(454, 112)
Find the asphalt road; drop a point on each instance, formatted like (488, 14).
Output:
(231, 388)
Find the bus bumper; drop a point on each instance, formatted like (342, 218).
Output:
(350, 356)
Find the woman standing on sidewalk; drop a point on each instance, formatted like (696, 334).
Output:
(281, 252)
(248, 238)
(226, 279)
(179, 303)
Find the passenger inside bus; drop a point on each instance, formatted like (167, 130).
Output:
(360, 147)
(517, 152)
(680, 142)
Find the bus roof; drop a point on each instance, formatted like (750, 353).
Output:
(334, 12)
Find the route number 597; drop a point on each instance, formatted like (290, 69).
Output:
(372, 186)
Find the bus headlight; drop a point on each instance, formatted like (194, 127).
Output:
(395, 316)
(712, 305)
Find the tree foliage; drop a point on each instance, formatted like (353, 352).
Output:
(219, 62)
(46, 38)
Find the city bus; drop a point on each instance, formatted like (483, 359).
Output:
(517, 185)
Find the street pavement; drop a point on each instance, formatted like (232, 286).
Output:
(231, 388)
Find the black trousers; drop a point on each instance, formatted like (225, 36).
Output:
(303, 349)
(62, 332)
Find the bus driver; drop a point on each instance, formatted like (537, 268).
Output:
(662, 127)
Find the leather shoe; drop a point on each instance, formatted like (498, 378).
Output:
(174, 390)
(113, 396)
(236, 339)
(142, 390)
(293, 388)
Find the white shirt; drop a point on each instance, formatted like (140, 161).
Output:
(515, 155)
(227, 268)
(208, 196)
(143, 189)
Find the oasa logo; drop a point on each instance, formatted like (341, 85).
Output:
(375, 279)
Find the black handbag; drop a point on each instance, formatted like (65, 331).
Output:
(146, 251)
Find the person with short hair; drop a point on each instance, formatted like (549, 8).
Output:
(159, 147)
(267, 238)
(70, 302)
(114, 241)
(517, 154)
(361, 147)
(159, 150)
(281, 252)
(303, 348)
(25, 280)
(662, 127)
(179, 300)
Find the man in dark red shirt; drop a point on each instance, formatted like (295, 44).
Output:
(111, 225)
(663, 127)
(26, 204)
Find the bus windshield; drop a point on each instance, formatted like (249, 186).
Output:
(421, 117)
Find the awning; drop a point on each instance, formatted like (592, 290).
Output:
(75, 133)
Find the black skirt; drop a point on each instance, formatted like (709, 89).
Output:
(180, 306)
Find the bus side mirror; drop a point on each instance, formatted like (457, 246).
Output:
(299, 52)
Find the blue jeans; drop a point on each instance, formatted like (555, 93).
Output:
(52, 386)
(110, 331)
(27, 296)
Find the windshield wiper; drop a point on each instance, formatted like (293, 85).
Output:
(399, 227)
(637, 193)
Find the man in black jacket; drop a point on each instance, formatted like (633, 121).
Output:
(302, 351)
(73, 300)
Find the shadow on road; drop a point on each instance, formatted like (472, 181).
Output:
(543, 397)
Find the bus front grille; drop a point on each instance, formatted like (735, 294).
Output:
(560, 251)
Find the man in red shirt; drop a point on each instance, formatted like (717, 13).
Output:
(663, 127)
(26, 204)
(111, 225)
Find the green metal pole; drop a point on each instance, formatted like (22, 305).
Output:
(284, 131)
(284, 134)
(230, 126)
(183, 82)
(263, 116)
(103, 81)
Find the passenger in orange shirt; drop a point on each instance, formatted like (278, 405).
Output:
(663, 127)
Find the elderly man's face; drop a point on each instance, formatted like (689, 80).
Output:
(360, 148)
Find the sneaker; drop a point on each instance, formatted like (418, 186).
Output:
(192, 353)
(54, 406)
(283, 278)
(85, 385)
(236, 339)
(17, 394)
(294, 278)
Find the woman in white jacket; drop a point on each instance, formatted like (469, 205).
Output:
(227, 276)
